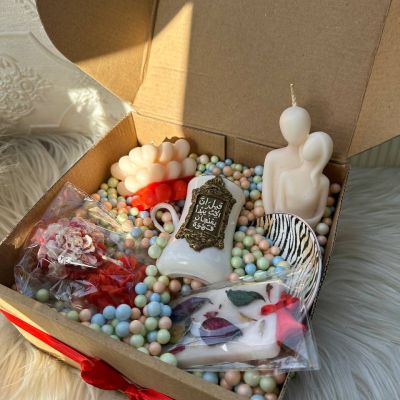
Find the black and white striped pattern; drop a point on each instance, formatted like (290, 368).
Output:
(299, 247)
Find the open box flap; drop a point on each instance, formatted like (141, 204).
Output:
(226, 66)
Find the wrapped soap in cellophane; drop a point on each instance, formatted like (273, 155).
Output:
(78, 254)
(243, 326)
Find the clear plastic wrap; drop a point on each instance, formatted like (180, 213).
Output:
(80, 255)
(243, 326)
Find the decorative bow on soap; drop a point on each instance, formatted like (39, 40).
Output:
(289, 329)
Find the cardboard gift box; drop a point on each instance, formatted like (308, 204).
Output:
(217, 73)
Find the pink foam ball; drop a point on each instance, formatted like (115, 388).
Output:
(232, 377)
(236, 183)
(138, 221)
(227, 170)
(85, 315)
(248, 258)
(144, 311)
(86, 323)
(263, 245)
(148, 234)
(322, 240)
(225, 384)
(135, 313)
(149, 293)
(234, 277)
(258, 238)
(247, 173)
(251, 231)
(129, 243)
(335, 188)
(195, 285)
(330, 201)
(155, 348)
(275, 250)
(147, 221)
(165, 323)
(166, 217)
(259, 211)
(258, 390)
(327, 221)
(187, 281)
(159, 287)
(135, 327)
(269, 256)
(240, 245)
(174, 286)
(249, 205)
(245, 185)
(243, 390)
(242, 220)
(216, 171)
(254, 248)
(142, 318)
(126, 339)
(271, 396)
(145, 243)
(237, 175)
(251, 216)
(280, 378)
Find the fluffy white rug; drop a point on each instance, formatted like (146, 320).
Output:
(357, 322)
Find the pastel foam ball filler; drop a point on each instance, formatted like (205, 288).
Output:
(98, 319)
(42, 295)
(154, 251)
(267, 384)
(136, 341)
(123, 312)
(169, 358)
(163, 336)
(322, 229)
(154, 309)
(141, 288)
(122, 329)
(211, 377)
(252, 378)
(109, 312)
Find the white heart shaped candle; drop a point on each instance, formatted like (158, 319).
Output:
(127, 166)
(142, 176)
(188, 167)
(117, 172)
(149, 154)
(122, 189)
(165, 152)
(156, 172)
(174, 169)
(182, 149)
(131, 184)
(136, 155)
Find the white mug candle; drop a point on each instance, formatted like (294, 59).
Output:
(201, 244)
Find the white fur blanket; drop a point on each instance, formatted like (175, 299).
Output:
(356, 324)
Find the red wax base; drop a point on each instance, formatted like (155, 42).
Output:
(160, 192)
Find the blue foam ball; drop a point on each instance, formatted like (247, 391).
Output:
(253, 186)
(220, 164)
(186, 290)
(211, 377)
(136, 232)
(122, 329)
(98, 319)
(276, 260)
(144, 214)
(153, 240)
(123, 312)
(228, 161)
(109, 312)
(155, 297)
(153, 309)
(166, 310)
(259, 186)
(152, 336)
(246, 193)
(250, 269)
(141, 288)
(259, 170)
(257, 397)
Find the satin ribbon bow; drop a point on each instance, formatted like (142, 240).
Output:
(287, 312)
(93, 371)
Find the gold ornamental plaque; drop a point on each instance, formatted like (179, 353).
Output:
(208, 216)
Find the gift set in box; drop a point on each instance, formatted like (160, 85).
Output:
(217, 74)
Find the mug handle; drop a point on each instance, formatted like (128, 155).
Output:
(171, 209)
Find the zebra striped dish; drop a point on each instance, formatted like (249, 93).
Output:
(299, 246)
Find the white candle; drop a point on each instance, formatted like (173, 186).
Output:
(156, 172)
(188, 167)
(149, 154)
(127, 166)
(122, 189)
(117, 172)
(165, 152)
(182, 149)
(131, 184)
(142, 176)
(174, 169)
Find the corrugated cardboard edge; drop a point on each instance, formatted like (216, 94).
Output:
(379, 118)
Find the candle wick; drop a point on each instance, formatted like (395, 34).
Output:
(294, 101)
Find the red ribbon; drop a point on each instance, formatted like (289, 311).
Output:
(93, 371)
(288, 325)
